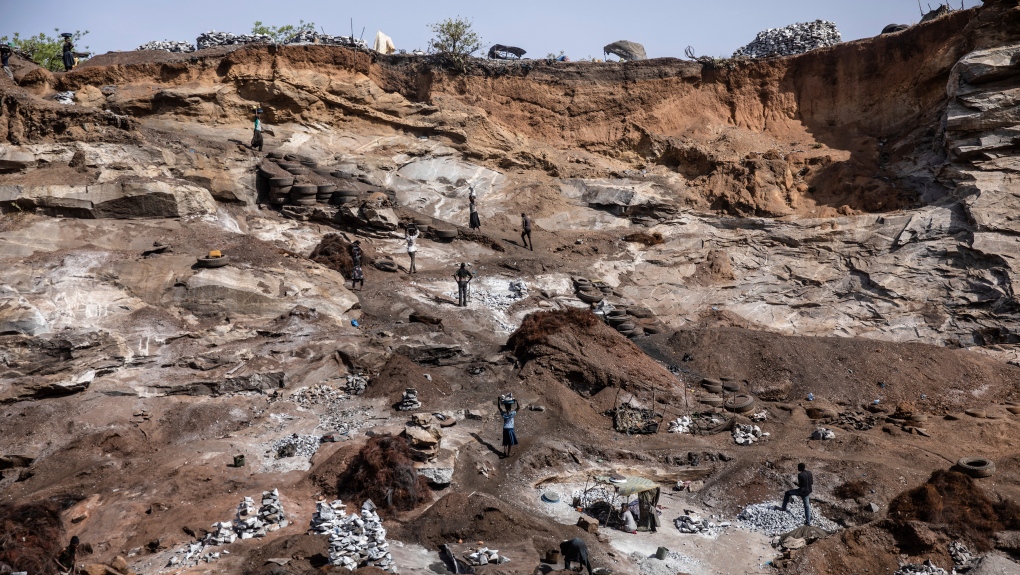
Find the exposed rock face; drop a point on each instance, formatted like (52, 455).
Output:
(120, 200)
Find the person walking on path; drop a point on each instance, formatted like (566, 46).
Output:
(507, 406)
(463, 277)
(575, 551)
(358, 276)
(5, 57)
(474, 223)
(411, 237)
(803, 490)
(68, 55)
(256, 139)
(526, 232)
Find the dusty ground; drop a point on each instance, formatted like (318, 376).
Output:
(817, 233)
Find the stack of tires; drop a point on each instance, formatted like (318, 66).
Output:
(422, 223)
(587, 292)
(303, 194)
(444, 234)
(324, 193)
(279, 190)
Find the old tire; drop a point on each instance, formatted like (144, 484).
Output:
(711, 385)
(309, 163)
(590, 296)
(616, 321)
(304, 190)
(281, 182)
(208, 262)
(977, 467)
(304, 201)
(711, 400)
(626, 326)
(288, 165)
(652, 330)
(731, 386)
(385, 265)
(1014, 409)
(445, 234)
(640, 312)
(298, 171)
(627, 333)
(422, 221)
(326, 189)
(740, 403)
(978, 413)
(275, 155)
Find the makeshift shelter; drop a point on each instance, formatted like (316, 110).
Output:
(383, 44)
(647, 492)
(501, 52)
(626, 50)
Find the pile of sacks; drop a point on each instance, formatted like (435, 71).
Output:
(168, 46)
(747, 434)
(485, 556)
(409, 401)
(214, 38)
(681, 425)
(691, 522)
(793, 39)
(354, 540)
(313, 37)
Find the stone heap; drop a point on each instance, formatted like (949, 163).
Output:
(313, 37)
(769, 519)
(423, 437)
(222, 534)
(691, 522)
(926, 568)
(214, 38)
(252, 522)
(65, 98)
(793, 39)
(822, 434)
(747, 434)
(962, 557)
(409, 401)
(356, 384)
(485, 556)
(593, 495)
(168, 46)
(295, 445)
(354, 540)
(681, 425)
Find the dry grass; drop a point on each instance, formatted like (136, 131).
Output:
(31, 537)
(648, 239)
(537, 327)
(953, 503)
(334, 252)
(384, 472)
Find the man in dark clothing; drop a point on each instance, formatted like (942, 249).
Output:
(68, 56)
(526, 232)
(358, 276)
(575, 551)
(5, 57)
(356, 253)
(804, 483)
(69, 556)
(256, 139)
(463, 277)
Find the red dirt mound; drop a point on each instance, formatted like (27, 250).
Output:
(31, 537)
(383, 472)
(953, 503)
(400, 373)
(589, 357)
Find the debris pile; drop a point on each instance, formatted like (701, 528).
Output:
(691, 522)
(593, 495)
(191, 555)
(927, 568)
(65, 98)
(681, 425)
(313, 37)
(335, 418)
(485, 556)
(823, 434)
(409, 401)
(793, 39)
(354, 540)
(760, 416)
(856, 421)
(214, 38)
(356, 384)
(296, 445)
(256, 523)
(769, 519)
(962, 557)
(168, 46)
(747, 434)
(222, 534)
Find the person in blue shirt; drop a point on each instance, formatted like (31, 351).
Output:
(507, 406)
(256, 139)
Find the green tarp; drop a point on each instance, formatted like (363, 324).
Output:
(634, 485)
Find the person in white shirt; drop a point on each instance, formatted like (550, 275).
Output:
(411, 237)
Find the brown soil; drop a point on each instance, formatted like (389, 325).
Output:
(400, 373)
(31, 535)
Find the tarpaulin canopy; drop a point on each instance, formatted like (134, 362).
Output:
(626, 50)
(635, 485)
(501, 52)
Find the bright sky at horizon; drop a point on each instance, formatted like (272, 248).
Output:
(580, 29)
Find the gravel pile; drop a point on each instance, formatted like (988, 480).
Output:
(65, 98)
(334, 418)
(214, 38)
(168, 46)
(673, 563)
(500, 302)
(681, 425)
(313, 37)
(691, 522)
(354, 540)
(593, 495)
(793, 39)
(927, 568)
(296, 446)
(747, 434)
(767, 518)
(485, 556)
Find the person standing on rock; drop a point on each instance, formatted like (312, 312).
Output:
(68, 557)
(507, 406)
(474, 223)
(526, 232)
(463, 277)
(411, 237)
(256, 139)
(575, 551)
(5, 57)
(803, 490)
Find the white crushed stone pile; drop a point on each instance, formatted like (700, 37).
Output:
(313, 37)
(168, 46)
(927, 568)
(499, 301)
(354, 540)
(250, 522)
(65, 98)
(823, 434)
(793, 39)
(681, 425)
(335, 418)
(593, 495)
(485, 556)
(673, 563)
(296, 445)
(691, 522)
(214, 38)
(767, 518)
(747, 434)
(760, 416)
